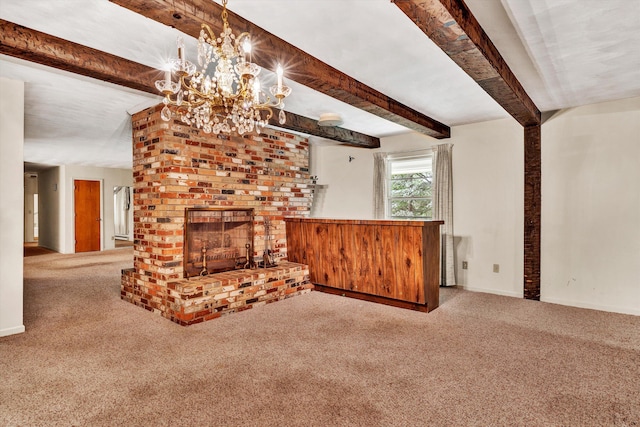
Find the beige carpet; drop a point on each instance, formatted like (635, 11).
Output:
(90, 359)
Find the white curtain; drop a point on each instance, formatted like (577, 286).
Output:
(379, 185)
(443, 210)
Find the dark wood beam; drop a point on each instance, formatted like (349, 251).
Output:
(34, 46)
(452, 26)
(309, 126)
(188, 15)
(532, 210)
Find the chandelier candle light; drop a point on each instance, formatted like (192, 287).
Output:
(230, 98)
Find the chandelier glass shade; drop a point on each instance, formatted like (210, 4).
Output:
(224, 95)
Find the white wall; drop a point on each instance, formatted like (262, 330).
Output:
(590, 202)
(345, 188)
(488, 210)
(11, 205)
(591, 207)
(109, 178)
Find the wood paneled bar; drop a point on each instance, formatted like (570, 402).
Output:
(386, 261)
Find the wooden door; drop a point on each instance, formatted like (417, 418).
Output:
(87, 215)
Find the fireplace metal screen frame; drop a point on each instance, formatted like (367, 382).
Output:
(216, 211)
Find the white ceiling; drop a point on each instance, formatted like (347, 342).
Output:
(565, 53)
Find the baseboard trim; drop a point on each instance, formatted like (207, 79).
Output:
(12, 331)
(494, 291)
(599, 307)
(560, 301)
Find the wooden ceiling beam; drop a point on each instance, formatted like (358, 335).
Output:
(310, 126)
(188, 15)
(452, 26)
(34, 46)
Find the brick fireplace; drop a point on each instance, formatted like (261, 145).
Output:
(178, 171)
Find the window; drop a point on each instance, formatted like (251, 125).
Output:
(409, 187)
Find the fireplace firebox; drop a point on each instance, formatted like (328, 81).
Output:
(217, 240)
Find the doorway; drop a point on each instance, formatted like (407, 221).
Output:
(122, 213)
(87, 215)
(31, 208)
(36, 228)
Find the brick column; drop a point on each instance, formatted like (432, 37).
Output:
(177, 167)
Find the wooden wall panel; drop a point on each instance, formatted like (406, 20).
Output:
(364, 260)
(393, 260)
(431, 265)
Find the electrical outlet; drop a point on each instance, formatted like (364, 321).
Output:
(465, 265)
(496, 268)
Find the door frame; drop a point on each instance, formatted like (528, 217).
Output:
(73, 210)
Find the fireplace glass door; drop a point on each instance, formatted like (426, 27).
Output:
(217, 240)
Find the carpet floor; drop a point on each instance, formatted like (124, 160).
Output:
(88, 358)
(32, 249)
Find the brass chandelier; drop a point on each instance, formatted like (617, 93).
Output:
(229, 98)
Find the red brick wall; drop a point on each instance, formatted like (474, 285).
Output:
(176, 166)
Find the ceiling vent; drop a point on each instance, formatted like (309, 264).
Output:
(329, 119)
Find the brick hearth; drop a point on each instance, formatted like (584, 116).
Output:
(205, 298)
(177, 167)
